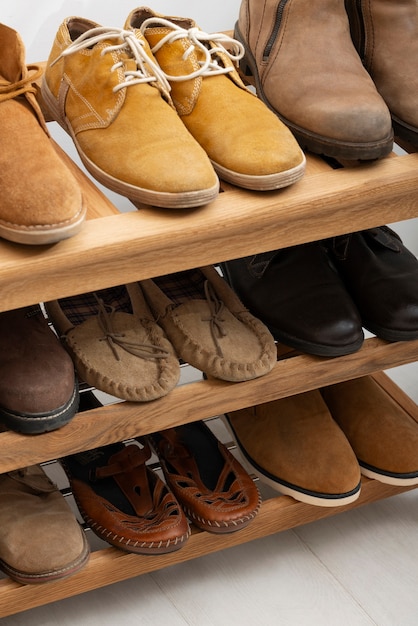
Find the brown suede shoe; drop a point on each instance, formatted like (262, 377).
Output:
(124, 502)
(247, 144)
(105, 88)
(208, 325)
(48, 207)
(40, 538)
(38, 387)
(385, 33)
(214, 489)
(383, 436)
(294, 446)
(307, 70)
(116, 344)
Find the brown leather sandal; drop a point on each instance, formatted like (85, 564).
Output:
(124, 502)
(213, 488)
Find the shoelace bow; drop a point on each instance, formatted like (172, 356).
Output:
(147, 70)
(114, 339)
(216, 308)
(9, 90)
(200, 40)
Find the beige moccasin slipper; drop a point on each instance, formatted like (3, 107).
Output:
(116, 344)
(208, 325)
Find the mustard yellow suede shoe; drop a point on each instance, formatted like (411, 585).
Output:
(246, 142)
(105, 88)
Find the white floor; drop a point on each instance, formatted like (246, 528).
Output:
(359, 568)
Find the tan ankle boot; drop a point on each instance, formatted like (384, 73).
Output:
(307, 70)
(385, 33)
(247, 144)
(294, 445)
(383, 436)
(41, 201)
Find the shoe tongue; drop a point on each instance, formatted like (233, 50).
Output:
(12, 55)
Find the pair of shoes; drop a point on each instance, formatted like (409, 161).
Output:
(127, 340)
(317, 297)
(40, 538)
(337, 103)
(48, 206)
(314, 446)
(124, 502)
(158, 92)
(38, 386)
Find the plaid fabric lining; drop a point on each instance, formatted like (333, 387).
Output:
(79, 308)
(182, 286)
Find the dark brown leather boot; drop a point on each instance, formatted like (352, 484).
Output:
(385, 33)
(307, 70)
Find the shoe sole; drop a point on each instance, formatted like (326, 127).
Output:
(55, 574)
(269, 182)
(285, 488)
(400, 480)
(42, 235)
(318, 144)
(31, 424)
(137, 195)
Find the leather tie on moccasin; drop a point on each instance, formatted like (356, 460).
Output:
(307, 70)
(104, 86)
(116, 344)
(246, 142)
(40, 538)
(300, 297)
(124, 502)
(216, 492)
(294, 445)
(38, 386)
(385, 33)
(48, 206)
(383, 435)
(381, 275)
(208, 326)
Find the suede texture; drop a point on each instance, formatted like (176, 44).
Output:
(142, 366)
(308, 71)
(295, 443)
(383, 436)
(238, 132)
(230, 344)
(36, 374)
(386, 35)
(129, 138)
(40, 538)
(49, 206)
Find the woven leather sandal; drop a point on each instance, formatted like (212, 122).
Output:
(213, 488)
(115, 343)
(124, 502)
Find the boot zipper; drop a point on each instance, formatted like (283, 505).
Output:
(274, 32)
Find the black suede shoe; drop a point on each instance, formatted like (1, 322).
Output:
(381, 276)
(298, 294)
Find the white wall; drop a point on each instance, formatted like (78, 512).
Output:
(38, 20)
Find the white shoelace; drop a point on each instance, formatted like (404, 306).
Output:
(198, 39)
(147, 71)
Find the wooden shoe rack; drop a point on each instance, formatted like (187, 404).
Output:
(115, 248)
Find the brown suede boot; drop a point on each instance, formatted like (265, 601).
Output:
(41, 201)
(247, 144)
(385, 33)
(294, 445)
(307, 70)
(383, 436)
